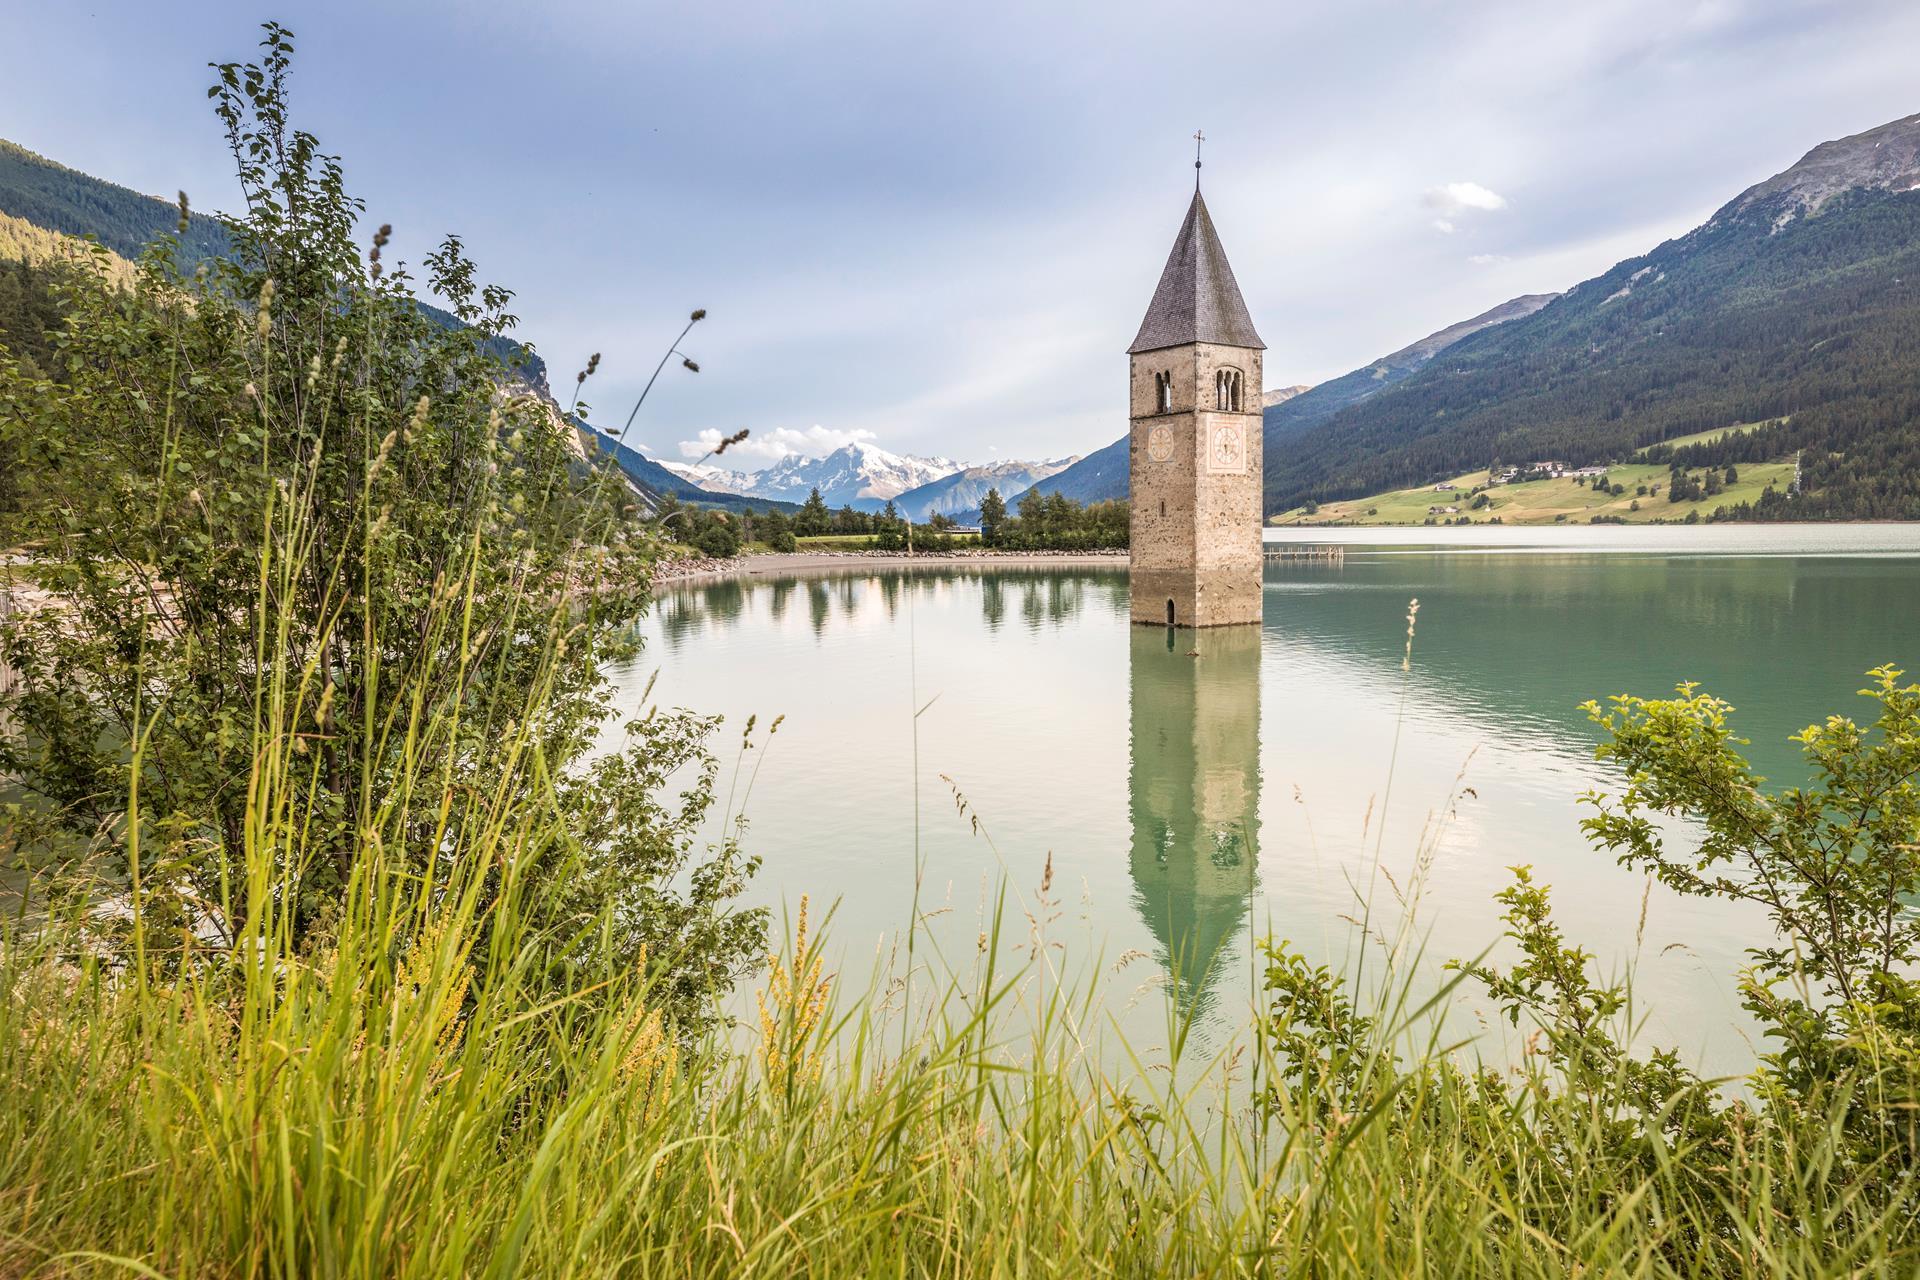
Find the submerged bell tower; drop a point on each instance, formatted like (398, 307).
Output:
(1193, 451)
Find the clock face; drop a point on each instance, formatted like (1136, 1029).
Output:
(1228, 451)
(1160, 443)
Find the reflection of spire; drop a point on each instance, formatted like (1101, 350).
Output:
(1194, 793)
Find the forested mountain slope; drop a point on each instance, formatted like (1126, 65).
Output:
(1799, 299)
(53, 197)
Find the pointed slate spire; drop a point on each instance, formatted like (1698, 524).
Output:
(1197, 300)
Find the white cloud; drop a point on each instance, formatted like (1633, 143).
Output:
(1487, 259)
(766, 447)
(1458, 197)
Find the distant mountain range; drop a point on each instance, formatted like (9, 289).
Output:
(866, 477)
(1280, 395)
(858, 475)
(711, 478)
(958, 496)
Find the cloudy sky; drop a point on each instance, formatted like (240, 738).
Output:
(937, 225)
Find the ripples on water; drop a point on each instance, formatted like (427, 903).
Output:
(1198, 789)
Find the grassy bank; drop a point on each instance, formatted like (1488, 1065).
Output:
(463, 1072)
(414, 1100)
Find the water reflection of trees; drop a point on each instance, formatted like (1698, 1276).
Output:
(1042, 597)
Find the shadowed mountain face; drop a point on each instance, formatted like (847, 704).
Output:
(1298, 413)
(1193, 794)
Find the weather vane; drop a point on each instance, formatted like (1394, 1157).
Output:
(1199, 137)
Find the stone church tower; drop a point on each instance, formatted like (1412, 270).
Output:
(1193, 454)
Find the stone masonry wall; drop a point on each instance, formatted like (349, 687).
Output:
(1195, 524)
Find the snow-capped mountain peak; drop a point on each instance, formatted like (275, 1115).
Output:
(711, 478)
(861, 474)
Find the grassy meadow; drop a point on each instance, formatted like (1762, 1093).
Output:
(1553, 501)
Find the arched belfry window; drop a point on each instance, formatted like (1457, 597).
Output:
(1163, 392)
(1226, 390)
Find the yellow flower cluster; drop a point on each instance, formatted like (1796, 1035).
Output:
(651, 1061)
(415, 980)
(791, 1008)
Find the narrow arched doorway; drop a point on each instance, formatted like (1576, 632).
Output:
(1169, 612)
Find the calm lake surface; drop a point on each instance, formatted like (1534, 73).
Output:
(1196, 791)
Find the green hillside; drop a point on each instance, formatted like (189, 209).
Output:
(51, 196)
(1643, 499)
(1767, 312)
(1102, 474)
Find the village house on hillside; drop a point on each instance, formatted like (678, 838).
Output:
(1549, 470)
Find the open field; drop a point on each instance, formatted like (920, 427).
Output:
(1709, 435)
(1543, 501)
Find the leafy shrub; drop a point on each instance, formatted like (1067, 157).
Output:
(273, 491)
(1836, 867)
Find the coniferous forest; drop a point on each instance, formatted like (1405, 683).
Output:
(1816, 324)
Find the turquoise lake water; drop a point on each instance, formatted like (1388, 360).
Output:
(1195, 791)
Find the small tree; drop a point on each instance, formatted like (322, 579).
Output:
(890, 531)
(719, 539)
(993, 514)
(814, 518)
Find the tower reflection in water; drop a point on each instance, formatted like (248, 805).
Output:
(1194, 795)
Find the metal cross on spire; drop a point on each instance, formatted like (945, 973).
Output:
(1199, 138)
